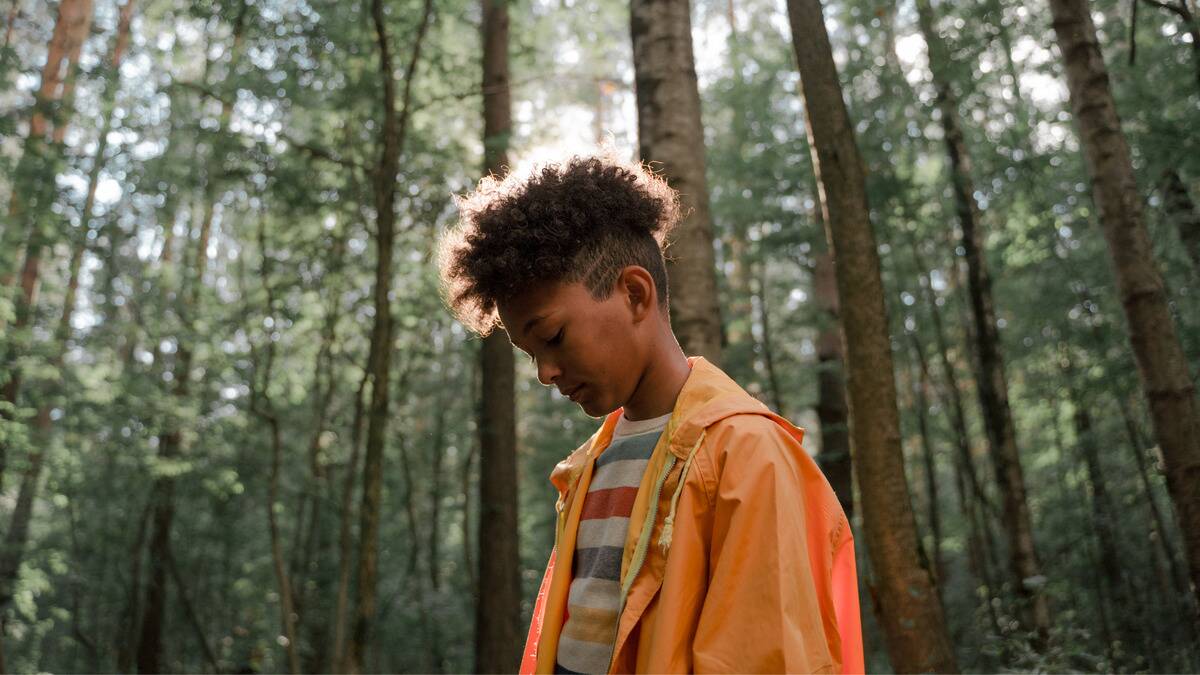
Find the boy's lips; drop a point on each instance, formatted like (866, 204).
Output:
(573, 393)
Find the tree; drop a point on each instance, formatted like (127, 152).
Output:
(907, 600)
(18, 530)
(498, 596)
(835, 455)
(671, 138)
(1162, 367)
(992, 383)
(394, 129)
(33, 193)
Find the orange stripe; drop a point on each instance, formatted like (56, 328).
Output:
(609, 503)
(588, 624)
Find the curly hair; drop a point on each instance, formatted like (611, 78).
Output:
(581, 219)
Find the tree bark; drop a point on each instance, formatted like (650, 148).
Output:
(394, 129)
(1162, 366)
(498, 596)
(910, 613)
(671, 138)
(835, 458)
(993, 386)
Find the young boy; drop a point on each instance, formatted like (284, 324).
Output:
(694, 533)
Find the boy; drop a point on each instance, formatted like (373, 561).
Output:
(694, 533)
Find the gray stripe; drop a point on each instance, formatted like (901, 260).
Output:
(601, 562)
(633, 447)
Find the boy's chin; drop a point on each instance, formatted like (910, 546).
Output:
(596, 410)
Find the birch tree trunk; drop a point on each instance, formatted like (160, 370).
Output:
(993, 385)
(34, 191)
(18, 531)
(498, 597)
(909, 610)
(1162, 366)
(670, 136)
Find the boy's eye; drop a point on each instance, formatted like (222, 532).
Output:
(557, 338)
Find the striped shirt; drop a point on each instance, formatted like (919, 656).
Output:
(594, 599)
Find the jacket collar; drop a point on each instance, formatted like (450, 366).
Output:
(708, 395)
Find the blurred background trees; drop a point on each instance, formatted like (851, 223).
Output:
(239, 432)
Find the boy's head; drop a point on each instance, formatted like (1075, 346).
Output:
(568, 260)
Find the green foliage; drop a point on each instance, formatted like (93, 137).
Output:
(267, 128)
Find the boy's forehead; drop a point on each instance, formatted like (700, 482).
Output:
(540, 300)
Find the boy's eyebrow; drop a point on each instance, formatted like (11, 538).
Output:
(530, 323)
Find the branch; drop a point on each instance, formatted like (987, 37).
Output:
(314, 151)
(1179, 10)
(406, 97)
(483, 91)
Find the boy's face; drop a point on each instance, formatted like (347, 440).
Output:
(591, 350)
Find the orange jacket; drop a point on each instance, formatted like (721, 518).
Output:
(738, 557)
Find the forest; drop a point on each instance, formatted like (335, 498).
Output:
(240, 431)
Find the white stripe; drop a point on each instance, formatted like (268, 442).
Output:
(622, 473)
(595, 593)
(602, 532)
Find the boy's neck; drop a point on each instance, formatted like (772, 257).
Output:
(666, 371)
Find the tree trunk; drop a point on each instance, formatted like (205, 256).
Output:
(671, 137)
(498, 596)
(1172, 579)
(394, 128)
(1104, 519)
(71, 28)
(914, 627)
(435, 533)
(18, 531)
(992, 385)
(260, 404)
(835, 458)
(346, 526)
(972, 501)
(764, 322)
(1162, 367)
(927, 460)
(1181, 211)
(170, 442)
(34, 187)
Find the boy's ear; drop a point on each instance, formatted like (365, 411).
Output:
(637, 287)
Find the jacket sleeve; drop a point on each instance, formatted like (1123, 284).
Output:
(762, 611)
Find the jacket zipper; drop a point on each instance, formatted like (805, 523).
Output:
(643, 544)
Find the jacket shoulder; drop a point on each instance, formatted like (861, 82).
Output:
(747, 439)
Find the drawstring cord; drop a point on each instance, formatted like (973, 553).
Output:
(664, 540)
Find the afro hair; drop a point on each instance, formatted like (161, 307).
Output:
(581, 219)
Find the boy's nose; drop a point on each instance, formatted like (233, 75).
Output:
(547, 372)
